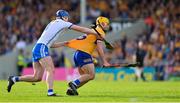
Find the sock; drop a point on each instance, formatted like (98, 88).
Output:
(50, 92)
(15, 79)
(77, 82)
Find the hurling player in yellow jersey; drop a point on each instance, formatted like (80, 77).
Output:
(85, 46)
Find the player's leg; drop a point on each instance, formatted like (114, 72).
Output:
(41, 51)
(142, 74)
(137, 73)
(82, 60)
(69, 90)
(37, 76)
(86, 68)
(47, 63)
(81, 72)
(87, 74)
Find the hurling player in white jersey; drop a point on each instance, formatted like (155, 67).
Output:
(41, 59)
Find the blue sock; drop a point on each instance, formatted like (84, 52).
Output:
(17, 79)
(50, 91)
(77, 82)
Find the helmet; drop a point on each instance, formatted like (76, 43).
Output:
(102, 19)
(62, 13)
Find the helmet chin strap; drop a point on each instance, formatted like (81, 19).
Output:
(101, 26)
(61, 17)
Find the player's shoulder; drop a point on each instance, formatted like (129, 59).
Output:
(59, 21)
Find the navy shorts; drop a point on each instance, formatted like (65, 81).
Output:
(39, 51)
(82, 58)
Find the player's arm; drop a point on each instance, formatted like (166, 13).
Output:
(84, 30)
(59, 44)
(101, 52)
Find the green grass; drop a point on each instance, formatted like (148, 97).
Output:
(95, 91)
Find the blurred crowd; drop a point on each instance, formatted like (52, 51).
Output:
(22, 22)
(161, 40)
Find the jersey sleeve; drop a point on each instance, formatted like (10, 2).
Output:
(67, 24)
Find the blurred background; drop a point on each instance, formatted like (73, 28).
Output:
(148, 29)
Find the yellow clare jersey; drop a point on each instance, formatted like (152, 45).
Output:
(86, 43)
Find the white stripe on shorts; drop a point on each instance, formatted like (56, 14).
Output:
(41, 50)
(44, 51)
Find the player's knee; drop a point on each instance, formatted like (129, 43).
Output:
(92, 76)
(37, 79)
(50, 69)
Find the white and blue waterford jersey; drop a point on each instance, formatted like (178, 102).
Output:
(51, 33)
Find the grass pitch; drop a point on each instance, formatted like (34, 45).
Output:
(95, 91)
